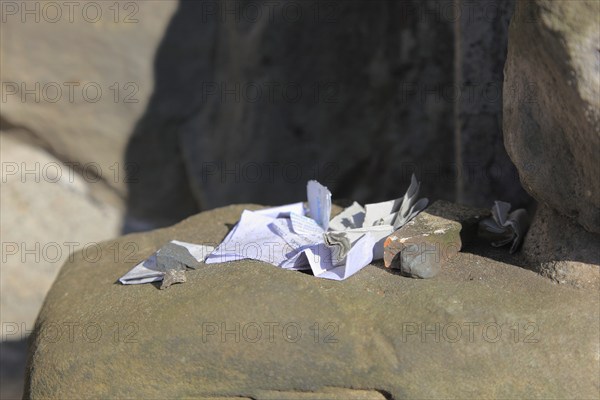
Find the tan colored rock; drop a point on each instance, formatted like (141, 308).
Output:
(552, 105)
(552, 133)
(48, 211)
(498, 327)
(79, 75)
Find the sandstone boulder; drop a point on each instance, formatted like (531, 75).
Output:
(552, 105)
(482, 328)
(552, 133)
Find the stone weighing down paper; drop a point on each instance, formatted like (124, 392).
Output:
(333, 249)
(286, 237)
(293, 242)
(379, 219)
(150, 270)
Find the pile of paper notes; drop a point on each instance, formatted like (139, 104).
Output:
(296, 237)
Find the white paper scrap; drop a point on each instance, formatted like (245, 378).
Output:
(351, 217)
(297, 244)
(323, 266)
(507, 227)
(283, 211)
(305, 226)
(319, 203)
(396, 212)
(284, 229)
(148, 271)
(379, 234)
(410, 205)
(253, 238)
(285, 237)
(381, 213)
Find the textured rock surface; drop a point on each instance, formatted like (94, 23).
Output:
(552, 105)
(562, 250)
(378, 331)
(423, 246)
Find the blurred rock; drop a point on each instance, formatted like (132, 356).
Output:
(498, 327)
(247, 111)
(552, 105)
(79, 76)
(48, 210)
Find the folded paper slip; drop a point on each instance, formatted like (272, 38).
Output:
(150, 270)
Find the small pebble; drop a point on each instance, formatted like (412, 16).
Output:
(173, 276)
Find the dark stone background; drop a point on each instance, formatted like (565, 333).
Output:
(363, 95)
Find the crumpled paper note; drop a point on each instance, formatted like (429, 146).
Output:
(505, 226)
